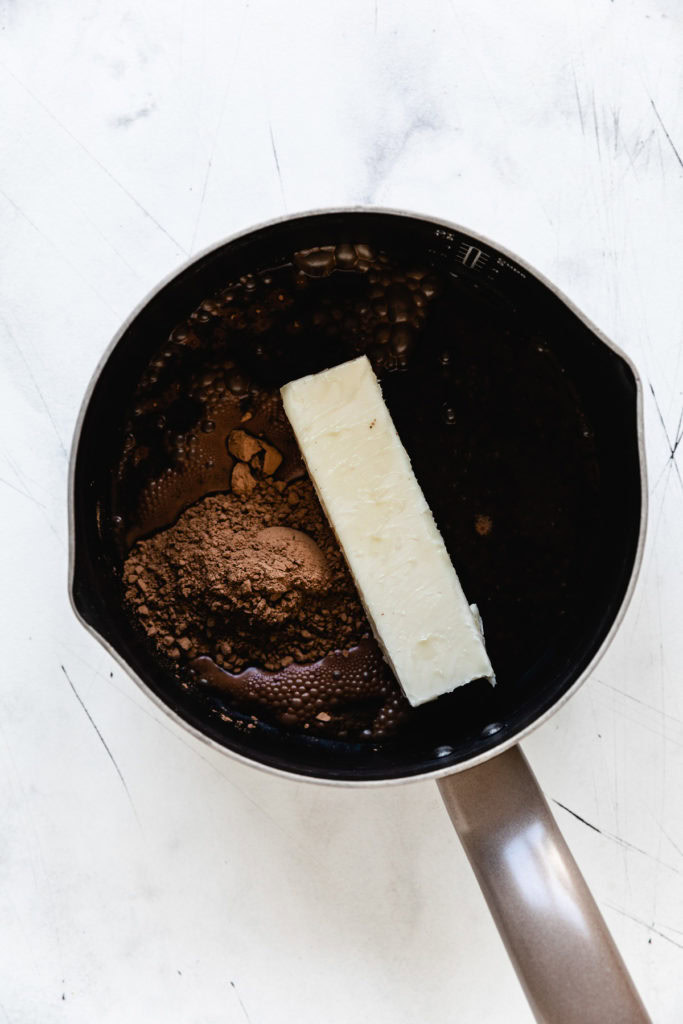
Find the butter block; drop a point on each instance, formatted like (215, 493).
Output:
(403, 572)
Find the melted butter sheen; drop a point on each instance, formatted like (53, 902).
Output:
(344, 694)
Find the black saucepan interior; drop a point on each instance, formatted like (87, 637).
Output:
(551, 462)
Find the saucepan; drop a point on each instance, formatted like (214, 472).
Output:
(541, 502)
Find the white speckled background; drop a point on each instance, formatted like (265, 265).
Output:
(143, 877)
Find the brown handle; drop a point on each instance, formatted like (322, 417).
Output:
(565, 957)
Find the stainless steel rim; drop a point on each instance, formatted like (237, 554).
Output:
(438, 772)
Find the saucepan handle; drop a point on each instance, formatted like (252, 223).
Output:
(565, 957)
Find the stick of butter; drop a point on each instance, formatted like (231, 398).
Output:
(386, 530)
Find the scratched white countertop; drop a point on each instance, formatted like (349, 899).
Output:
(144, 877)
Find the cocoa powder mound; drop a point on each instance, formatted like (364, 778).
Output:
(253, 577)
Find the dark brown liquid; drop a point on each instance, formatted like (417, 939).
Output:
(350, 694)
(489, 419)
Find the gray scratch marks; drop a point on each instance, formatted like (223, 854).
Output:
(25, 494)
(673, 445)
(26, 363)
(98, 163)
(292, 837)
(233, 986)
(668, 137)
(615, 129)
(70, 263)
(579, 105)
(636, 700)
(215, 135)
(679, 433)
(642, 143)
(675, 845)
(201, 202)
(644, 924)
(101, 739)
(596, 128)
(616, 839)
(277, 164)
(578, 817)
(376, 15)
(24, 482)
(606, 124)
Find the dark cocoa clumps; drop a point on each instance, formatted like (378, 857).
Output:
(249, 578)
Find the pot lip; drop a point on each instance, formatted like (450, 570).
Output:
(435, 773)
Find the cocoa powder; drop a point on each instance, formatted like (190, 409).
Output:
(252, 577)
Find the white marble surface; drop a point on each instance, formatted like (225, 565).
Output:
(151, 879)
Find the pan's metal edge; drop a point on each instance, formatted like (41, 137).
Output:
(422, 776)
